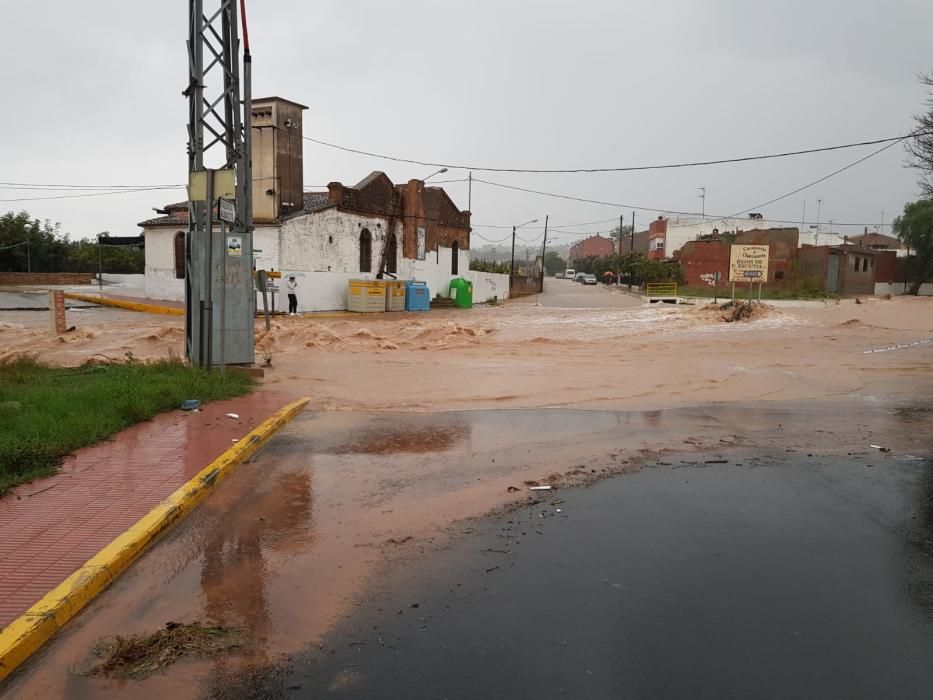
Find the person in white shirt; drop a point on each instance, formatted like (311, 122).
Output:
(292, 286)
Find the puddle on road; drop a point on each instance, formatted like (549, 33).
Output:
(285, 547)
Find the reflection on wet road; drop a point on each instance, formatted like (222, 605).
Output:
(288, 549)
(725, 581)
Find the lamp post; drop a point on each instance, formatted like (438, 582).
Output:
(512, 264)
(439, 172)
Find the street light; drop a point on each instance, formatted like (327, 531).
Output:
(439, 172)
(512, 264)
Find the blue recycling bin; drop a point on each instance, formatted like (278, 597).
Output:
(417, 296)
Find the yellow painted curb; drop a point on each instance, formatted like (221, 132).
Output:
(25, 635)
(123, 304)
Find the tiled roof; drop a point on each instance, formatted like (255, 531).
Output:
(175, 217)
(315, 201)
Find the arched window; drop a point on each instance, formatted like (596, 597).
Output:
(180, 255)
(392, 254)
(366, 251)
(455, 258)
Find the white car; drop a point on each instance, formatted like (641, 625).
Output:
(569, 274)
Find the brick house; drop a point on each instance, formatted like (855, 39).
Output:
(844, 270)
(592, 246)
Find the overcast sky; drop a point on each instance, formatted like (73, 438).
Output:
(93, 96)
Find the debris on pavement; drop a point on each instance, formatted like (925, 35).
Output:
(540, 488)
(232, 415)
(513, 489)
(191, 405)
(879, 447)
(138, 657)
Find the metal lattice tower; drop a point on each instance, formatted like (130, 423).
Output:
(219, 297)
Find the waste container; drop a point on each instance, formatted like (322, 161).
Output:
(366, 296)
(417, 296)
(461, 291)
(395, 295)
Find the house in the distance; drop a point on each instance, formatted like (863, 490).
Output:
(592, 246)
(879, 242)
(375, 228)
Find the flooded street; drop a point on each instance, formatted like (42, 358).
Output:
(722, 524)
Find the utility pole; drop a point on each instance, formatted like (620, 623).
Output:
(703, 201)
(470, 192)
(621, 219)
(216, 120)
(803, 217)
(631, 251)
(881, 230)
(544, 250)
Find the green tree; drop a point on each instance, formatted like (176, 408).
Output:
(915, 228)
(554, 263)
(28, 244)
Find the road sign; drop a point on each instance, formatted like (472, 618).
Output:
(272, 288)
(275, 274)
(227, 211)
(748, 258)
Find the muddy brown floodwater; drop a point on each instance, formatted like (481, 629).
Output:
(293, 541)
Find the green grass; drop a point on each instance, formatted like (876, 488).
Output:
(741, 292)
(48, 412)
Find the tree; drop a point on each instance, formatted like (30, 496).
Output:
(920, 146)
(554, 263)
(915, 228)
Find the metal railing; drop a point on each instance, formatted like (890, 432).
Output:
(661, 290)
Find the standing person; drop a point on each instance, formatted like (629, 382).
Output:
(292, 286)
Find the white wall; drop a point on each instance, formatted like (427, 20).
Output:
(138, 281)
(160, 265)
(897, 288)
(329, 241)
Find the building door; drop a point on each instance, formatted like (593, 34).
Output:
(832, 274)
(455, 258)
(366, 251)
(180, 255)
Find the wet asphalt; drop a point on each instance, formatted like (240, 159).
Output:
(759, 579)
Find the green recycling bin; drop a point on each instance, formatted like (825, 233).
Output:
(461, 291)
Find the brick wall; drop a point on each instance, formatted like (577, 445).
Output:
(782, 251)
(46, 277)
(856, 278)
(701, 260)
(523, 286)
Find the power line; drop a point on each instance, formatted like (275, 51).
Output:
(489, 240)
(94, 194)
(45, 185)
(665, 166)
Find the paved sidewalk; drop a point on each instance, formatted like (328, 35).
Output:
(52, 526)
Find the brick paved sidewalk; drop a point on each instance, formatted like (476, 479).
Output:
(52, 526)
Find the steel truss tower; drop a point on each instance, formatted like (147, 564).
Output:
(219, 296)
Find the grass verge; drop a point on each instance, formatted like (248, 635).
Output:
(48, 412)
(741, 292)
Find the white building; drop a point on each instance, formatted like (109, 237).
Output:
(372, 229)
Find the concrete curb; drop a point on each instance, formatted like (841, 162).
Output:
(25, 635)
(123, 304)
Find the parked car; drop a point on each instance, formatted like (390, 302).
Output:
(569, 273)
(579, 276)
(558, 275)
(589, 279)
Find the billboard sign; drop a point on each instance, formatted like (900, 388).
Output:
(748, 263)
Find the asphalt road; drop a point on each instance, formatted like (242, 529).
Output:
(770, 579)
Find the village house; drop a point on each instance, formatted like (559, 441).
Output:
(592, 246)
(375, 228)
(846, 270)
(879, 242)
